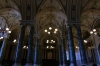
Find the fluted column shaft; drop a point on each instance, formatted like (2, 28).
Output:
(71, 47)
(60, 55)
(2, 50)
(81, 46)
(20, 47)
(36, 53)
(30, 46)
(63, 52)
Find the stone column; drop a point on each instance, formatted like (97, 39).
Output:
(40, 54)
(81, 46)
(63, 52)
(97, 57)
(2, 50)
(71, 47)
(30, 46)
(20, 47)
(60, 55)
(36, 53)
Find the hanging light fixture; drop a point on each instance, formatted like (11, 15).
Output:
(4, 30)
(25, 47)
(49, 44)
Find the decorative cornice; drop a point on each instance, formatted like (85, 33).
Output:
(73, 22)
(27, 22)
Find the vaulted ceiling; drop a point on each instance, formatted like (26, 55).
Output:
(50, 14)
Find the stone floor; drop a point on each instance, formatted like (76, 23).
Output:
(79, 63)
(50, 63)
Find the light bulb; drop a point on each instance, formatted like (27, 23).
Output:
(1, 37)
(47, 41)
(47, 46)
(91, 32)
(56, 29)
(48, 32)
(85, 41)
(7, 28)
(24, 47)
(94, 30)
(14, 40)
(77, 47)
(27, 47)
(53, 41)
(45, 30)
(55, 32)
(95, 33)
(50, 28)
(9, 31)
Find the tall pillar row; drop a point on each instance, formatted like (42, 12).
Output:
(72, 49)
(18, 57)
(62, 56)
(34, 60)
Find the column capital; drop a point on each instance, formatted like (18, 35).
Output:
(73, 22)
(36, 36)
(59, 43)
(27, 22)
(63, 36)
(77, 25)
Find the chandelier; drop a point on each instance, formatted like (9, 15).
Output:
(49, 44)
(25, 47)
(51, 29)
(4, 30)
